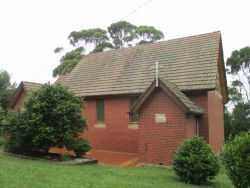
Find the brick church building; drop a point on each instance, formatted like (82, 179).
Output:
(135, 105)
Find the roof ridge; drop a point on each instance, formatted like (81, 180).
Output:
(30, 82)
(189, 63)
(196, 35)
(149, 44)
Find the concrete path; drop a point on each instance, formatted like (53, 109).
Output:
(114, 158)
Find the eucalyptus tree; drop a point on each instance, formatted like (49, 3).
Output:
(122, 33)
(148, 34)
(238, 120)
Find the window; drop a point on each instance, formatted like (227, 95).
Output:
(133, 100)
(100, 110)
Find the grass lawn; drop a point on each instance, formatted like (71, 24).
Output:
(17, 172)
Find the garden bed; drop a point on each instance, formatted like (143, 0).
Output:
(54, 157)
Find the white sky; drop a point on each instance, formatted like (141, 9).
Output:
(30, 30)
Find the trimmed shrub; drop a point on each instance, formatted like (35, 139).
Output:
(54, 116)
(80, 147)
(236, 158)
(16, 132)
(194, 161)
(65, 156)
(51, 117)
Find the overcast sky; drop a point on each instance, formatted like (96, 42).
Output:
(31, 29)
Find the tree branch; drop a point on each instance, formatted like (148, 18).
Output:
(242, 86)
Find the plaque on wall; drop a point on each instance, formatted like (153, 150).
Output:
(160, 118)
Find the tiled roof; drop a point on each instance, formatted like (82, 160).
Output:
(190, 105)
(23, 86)
(31, 86)
(190, 63)
(173, 92)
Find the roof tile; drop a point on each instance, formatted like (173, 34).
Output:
(190, 63)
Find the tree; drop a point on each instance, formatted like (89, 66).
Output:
(239, 63)
(148, 34)
(102, 46)
(95, 39)
(67, 62)
(2, 114)
(88, 38)
(55, 114)
(228, 123)
(122, 33)
(239, 92)
(235, 156)
(75, 38)
(51, 118)
(7, 89)
(58, 49)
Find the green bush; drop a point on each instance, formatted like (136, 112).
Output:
(2, 116)
(52, 117)
(65, 156)
(194, 161)
(236, 158)
(16, 132)
(2, 142)
(80, 147)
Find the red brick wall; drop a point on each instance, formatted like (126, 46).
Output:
(216, 120)
(201, 99)
(190, 126)
(116, 136)
(211, 126)
(157, 141)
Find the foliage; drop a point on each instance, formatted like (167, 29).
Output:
(7, 89)
(194, 162)
(16, 132)
(228, 123)
(67, 62)
(238, 121)
(118, 35)
(102, 46)
(148, 34)
(58, 49)
(2, 117)
(55, 115)
(51, 117)
(88, 37)
(239, 93)
(236, 158)
(2, 114)
(122, 33)
(65, 156)
(80, 147)
(2, 142)
(239, 63)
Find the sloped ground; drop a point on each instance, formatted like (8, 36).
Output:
(22, 173)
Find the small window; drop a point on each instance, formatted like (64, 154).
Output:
(100, 110)
(133, 117)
